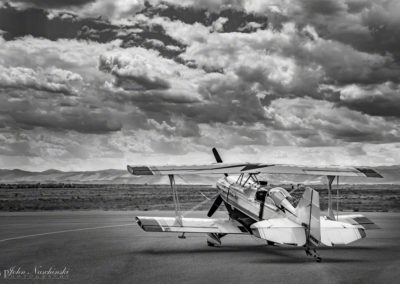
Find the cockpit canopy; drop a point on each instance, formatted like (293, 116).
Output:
(278, 194)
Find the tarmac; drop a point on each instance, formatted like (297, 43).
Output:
(108, 247)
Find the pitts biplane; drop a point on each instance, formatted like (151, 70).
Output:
(257, 209)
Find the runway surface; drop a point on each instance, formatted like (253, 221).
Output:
(108, 247)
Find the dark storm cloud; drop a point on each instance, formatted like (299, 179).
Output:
(37, 22)
(79, 120)
(383, 24)
(52, 85)
(376, 100)
(236, 20)
(192, 95)
(22, 147)
(140, 83)
(227, 101)
(350, 134)
(324, 7)
(147, 36)
(377, 106)
(371, 26)
(52, 3)
(47, 113)
(308, 122)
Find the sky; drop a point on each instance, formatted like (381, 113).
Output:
(98, 84)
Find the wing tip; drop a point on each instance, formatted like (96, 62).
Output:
(371, 173)
(139, 170)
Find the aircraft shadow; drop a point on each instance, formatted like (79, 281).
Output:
(285, 254)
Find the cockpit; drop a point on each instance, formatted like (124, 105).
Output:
(260, 191)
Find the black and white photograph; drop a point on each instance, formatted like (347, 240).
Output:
(199, 141)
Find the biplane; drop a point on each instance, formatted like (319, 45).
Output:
(255, 208)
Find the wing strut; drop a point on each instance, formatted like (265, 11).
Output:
(337, 198)
(330, 210)
(175, 196)
(331, 215)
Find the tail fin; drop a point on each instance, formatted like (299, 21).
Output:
(308, 215)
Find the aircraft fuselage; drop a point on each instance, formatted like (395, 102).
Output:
(254, 201)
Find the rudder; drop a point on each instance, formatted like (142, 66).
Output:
(308, 215)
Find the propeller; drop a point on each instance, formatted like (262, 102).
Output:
(207, 199)
(218, 200)
(215, 206)
(217, 157)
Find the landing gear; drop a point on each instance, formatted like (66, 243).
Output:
(313, 252)
(214, 240)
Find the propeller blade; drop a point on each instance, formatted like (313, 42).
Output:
(215, 206)
(217, 157)
(199, 204)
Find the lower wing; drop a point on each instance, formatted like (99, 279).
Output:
(190, 225)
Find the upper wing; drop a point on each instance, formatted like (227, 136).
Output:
(256, 168)
(359, 221)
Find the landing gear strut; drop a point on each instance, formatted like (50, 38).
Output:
(313, 252)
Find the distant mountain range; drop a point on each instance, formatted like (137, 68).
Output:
(391, 175)
(111, 176)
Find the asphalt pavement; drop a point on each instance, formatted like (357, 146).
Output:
(108, 247)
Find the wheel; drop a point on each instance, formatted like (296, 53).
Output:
(210, 244)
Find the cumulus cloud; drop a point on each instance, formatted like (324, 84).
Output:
(378, 99)
(34, 70)
(146, 76)
(316, 123)
(369, 26)
(279, 52)
(109, 82)
(52, 80)
(133, 73)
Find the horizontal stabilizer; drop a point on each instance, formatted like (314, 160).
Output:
(190, 225)
(359, 220)
(240, 168)
(339, 233)
(286, 232)
(280, 231)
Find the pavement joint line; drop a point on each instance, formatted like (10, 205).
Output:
(64, 231)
